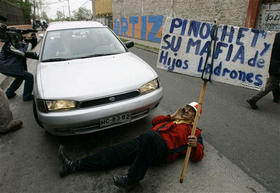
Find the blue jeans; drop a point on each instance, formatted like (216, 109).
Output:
(28, 85)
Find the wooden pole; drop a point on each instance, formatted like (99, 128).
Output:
(201, 98)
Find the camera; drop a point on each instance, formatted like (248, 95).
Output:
(13, 35)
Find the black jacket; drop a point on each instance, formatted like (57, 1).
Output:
(274, 68)
(11, 63)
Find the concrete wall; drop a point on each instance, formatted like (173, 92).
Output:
(13, 13)
(157, 7)
(139, 27)
(231, 12)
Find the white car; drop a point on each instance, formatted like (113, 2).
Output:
(87, 80)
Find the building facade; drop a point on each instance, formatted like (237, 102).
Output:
(103, 12)
(269, 16)
(143, 19)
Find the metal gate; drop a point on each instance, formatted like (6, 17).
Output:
(106, 20)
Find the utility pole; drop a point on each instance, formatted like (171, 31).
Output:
(69, 10)
(34, 10)
(63, 13)
(93, 9)
(39, 9)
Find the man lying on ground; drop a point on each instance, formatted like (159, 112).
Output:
(164, 142)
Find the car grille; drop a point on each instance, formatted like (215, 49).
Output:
(95, 126)
(110, 99)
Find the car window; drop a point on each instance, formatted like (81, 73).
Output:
(80, 43)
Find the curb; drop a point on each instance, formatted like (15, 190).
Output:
(141, 46)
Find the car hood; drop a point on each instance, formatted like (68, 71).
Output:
(90, 78)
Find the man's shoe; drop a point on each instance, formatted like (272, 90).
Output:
(12, 126)
(252, 104)
(123, 182)
(10, 95)
(29, 98)
(68, 166)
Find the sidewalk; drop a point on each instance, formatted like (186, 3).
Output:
(146, 45)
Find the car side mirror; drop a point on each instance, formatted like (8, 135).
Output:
(32, 55)
(129, 44)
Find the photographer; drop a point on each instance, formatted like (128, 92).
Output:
(13, 61)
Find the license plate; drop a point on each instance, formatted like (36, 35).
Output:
(115, 119)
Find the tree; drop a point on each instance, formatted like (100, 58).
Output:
(59, 15)
(45, 16)
(26, 6)
(82, 14)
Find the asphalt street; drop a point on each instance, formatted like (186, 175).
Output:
(249, 138)
(241, 145)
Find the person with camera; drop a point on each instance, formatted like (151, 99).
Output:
(13, 62)
(169, 138)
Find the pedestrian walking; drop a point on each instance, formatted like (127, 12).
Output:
(169, 138)
(274, 76)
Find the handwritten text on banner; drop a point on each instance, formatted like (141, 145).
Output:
(241, 58)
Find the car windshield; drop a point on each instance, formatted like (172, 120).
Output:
(80, 43)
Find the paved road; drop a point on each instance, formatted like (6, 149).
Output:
(249, 138)
(232, 135)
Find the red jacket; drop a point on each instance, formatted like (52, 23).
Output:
(176, 137)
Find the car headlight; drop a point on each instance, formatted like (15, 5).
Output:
(150, 86)
(58, 105)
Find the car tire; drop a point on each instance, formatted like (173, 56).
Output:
(36, 115)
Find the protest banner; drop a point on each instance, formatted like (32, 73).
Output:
(234, 55)
(241, 57)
